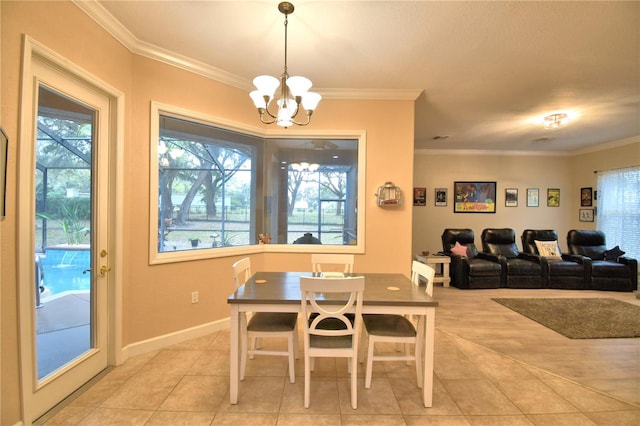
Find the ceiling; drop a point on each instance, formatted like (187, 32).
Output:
(482, 73)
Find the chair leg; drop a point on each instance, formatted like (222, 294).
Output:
(354, 381)
(418, 350)
(296, 343)
(364, 338)
(418, 361)
(367, 379)
(243, 345)
(307, 380)
(292, 372)
(253, 344)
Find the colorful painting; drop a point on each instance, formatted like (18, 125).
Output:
(474, 197)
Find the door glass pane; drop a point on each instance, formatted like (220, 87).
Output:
(63, 287)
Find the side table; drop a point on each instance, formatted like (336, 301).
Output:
(441, 264)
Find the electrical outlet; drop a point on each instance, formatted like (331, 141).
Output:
(194, 297)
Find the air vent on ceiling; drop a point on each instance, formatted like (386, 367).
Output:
(543, 139)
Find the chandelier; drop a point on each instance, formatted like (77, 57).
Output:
(556, 121)
(293, 90)
(304, 167)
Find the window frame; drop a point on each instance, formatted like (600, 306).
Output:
(157, 109)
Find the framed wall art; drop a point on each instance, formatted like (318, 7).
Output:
(586, 197)
(474, 197)
(533, 197)
(553, 197)
(586, 215)
(511, 197)
(419, 196)
(441, 197)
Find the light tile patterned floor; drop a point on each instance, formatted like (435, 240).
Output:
(492, 367)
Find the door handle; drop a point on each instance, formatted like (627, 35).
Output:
(103, 270)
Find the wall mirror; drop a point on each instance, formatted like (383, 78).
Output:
(219, 189)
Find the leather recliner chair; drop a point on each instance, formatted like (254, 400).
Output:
(567, 272)
(520, 270)
(473, 271)
(619, 274)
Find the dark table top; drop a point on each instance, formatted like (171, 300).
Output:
(284, 288)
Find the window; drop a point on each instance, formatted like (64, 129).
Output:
(619, 209)
(222, 189)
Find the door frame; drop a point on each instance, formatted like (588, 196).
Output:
(33, 50)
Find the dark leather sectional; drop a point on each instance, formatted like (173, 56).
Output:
(501, 264)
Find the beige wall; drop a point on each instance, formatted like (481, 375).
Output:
(156, 298)
(433, 169)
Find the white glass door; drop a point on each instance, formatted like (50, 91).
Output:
(64, 308)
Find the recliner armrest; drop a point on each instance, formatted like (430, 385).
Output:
(528, 256)
(577, 258)
(497, 258)
(627, 260)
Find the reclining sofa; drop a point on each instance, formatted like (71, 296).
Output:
(589, 265)
(474, 269)
(560, 270)
(607, 269)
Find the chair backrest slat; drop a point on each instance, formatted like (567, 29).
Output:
(315, 290)
(241, 271)
(319, 259)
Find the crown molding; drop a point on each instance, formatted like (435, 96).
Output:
(107, 21)
(608, 145)
(101, 16)
(488, 152)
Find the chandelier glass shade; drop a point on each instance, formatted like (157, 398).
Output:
(294, 90)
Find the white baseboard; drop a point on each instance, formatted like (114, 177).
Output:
(163, 341)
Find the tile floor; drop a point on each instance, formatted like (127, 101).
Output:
(492, 367)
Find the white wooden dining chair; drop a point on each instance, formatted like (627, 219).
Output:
(391, 328)
(422, 271)
(265, 324)
(331, 333)
(330, 260)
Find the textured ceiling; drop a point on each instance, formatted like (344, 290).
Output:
(481, 72)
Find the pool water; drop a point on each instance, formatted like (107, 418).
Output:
(63, 270)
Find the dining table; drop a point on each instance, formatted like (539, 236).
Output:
(384, 293)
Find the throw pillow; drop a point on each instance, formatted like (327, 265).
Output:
(459, 250)
(549, 249)
(613, 254)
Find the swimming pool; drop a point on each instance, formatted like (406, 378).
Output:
(63, 270)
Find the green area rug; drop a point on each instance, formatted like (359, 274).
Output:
(580, 318)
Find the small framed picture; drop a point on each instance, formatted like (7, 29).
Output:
(586, 197)
(553, 197)
(533, 197)
(586, 215)
(419, 196)
(511, 197)
(441, 197)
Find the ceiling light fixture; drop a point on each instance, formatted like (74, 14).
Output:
(293, 90)
(556, 121)
(305, 167)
